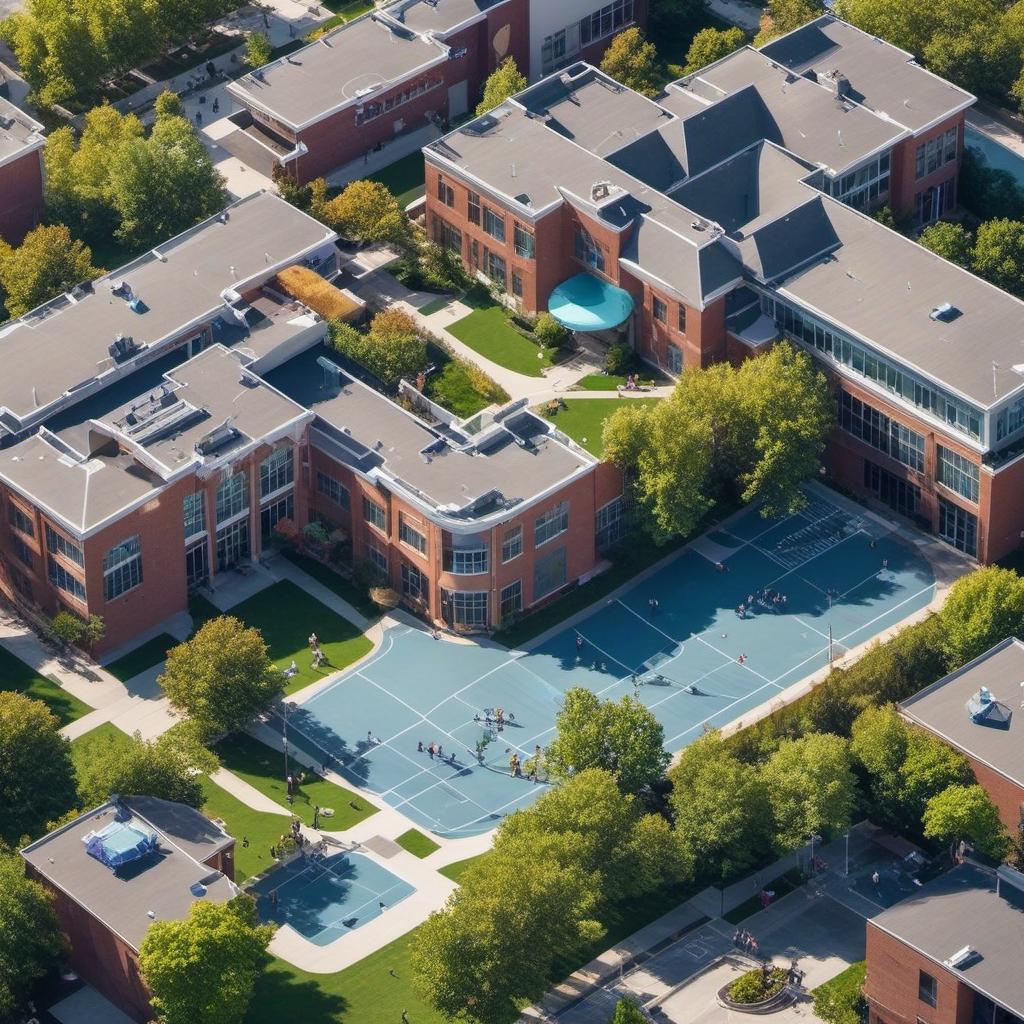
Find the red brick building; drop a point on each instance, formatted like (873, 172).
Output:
(21, 172)
(403, 68)
(977, 711)
(118, 868)
(951, 953)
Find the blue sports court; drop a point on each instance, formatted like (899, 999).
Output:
(322, 898)
(674, 639)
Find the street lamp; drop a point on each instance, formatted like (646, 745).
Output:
(285, 708)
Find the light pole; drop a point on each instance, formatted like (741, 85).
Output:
(284, 717)
(846, 865)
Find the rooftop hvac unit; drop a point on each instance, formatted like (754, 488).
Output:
(961, 958)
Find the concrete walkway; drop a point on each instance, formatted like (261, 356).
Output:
(984, 119)
(737, 12)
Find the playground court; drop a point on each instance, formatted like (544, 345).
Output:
(674, 640)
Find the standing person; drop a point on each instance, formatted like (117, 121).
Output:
(316, 817)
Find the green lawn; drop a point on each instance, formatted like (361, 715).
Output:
(349, 9)
(404, 178)
(263, 768)
(417, 843)
(202, 610)
(17, 676)
(460, 867)
(254, 831)
(358, 597)
(286, 615)
(149, 654)
(583, 419)
(611, 381)
(436, 306)
(104, 735)
(487, 331)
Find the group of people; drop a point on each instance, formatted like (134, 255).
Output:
(767, 598)
(515, 764)
(497, 717)
(632, 383)
(742, 939)
(434, 750)
(319, 658)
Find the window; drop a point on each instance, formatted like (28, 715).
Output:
(20, 521)
(460, 608)
(494, 224)
(587, 250)
(277, 471)
(609, 524)
(375, 514)
(194, 513)
(927, 988)
(659, 309)
(494, 267)
(445, 192)
(122, 568)
(865, 186)
(232, 544)
(958, 527)
(62, 579)
(377, 559)
(415, 584)
(674, 358)
(512, 544)
(197, 564)
(511, 599)
(681, 323)
(900, 495)
(517, 284)
(932, 154)
(473, 210)
(957, 473)
(332, 490)
(407, 535)
(549, 574)
(950, 146)
(59, 545)
(524, 242)
(446, 236)
(466, 561)
(878, 430)
(273, 512)
(551, 524)
(232, 496)
(21, 550)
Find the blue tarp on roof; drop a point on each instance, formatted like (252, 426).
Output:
(586, 303)
(120, 842)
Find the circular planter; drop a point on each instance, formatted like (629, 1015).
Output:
(770, 1004)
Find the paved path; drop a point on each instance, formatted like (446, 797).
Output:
(737, 12)
(996, 129)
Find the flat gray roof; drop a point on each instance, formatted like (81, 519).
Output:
(942, 709)
(882, 77)
(962, 908)
(439, 16)
(18, 131)
(122, 900)
(64, 344)
(355, 59)
(193, 831)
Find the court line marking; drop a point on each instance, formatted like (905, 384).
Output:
(720, 711)
(610, 657)
(345, 674)
(675, 640)
(508, 661)
(744, 664)
(888, 611)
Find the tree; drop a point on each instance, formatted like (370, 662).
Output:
(982, 609)
(720, 808)
(170, 767)
(952, 242)
(367, 212)
(504, 81)
(627, 1012)
(978, 57)
(30, 944)
(987, 191)
(37, 778)
(48, 262)
(257, 49)
(810, 786)
(929, 767)
(388, 353)
(168, 104)
(633, 61)
(67, 628)
(841, 1000)
(222, 677)
(966, 812)
(623, 738)
(999, 254)
(711, 44)
(202, 970)
(784, 16)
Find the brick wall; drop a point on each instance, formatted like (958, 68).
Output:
(21, 196)
(1002, 510)
(904, 186)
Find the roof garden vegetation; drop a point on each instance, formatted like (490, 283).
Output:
(321, 296)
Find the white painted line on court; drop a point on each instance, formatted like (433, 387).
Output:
(742, 664)
(508, 661)
(888, 611)
(720, 711)
(675, 640)
(604, 652)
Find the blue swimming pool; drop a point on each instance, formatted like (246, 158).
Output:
(996, 154)
(323, 898)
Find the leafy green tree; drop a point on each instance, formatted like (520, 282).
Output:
(168, 104)
(841, 1000)
(622, 737)
(627, 1012)
(367, 212)
(203, 969)
(720, 808)
(30, 944)
(37, 779)
(504, 81)
(999, 254)
(783, 16)
(627, 435)
(951, 241)
(929, 767)
(48, 262)
(979, 57)
(983, 608)
(222, 677)
(388, 353)
(170, 767)
(257, 49)
(810, 787)
(987, 191)
(633, 61)
(67, 628)
(711, 44)
(966, 812)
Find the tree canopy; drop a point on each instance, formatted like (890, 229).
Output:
(623, 737)
(504, 81)
(37, 778)
(711, 44)
(633, 61)
(999, 254)
(627, 1012)
(951, 241)
(966, 812)
(222, 677)
(783, 16)
(30, 944)
(257, 49)
(983, 608)
(202, 970)
(366, 212)
(48, 262)
(391, 349)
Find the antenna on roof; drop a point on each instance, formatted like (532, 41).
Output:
(995, 386)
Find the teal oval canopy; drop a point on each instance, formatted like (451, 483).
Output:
(586, 303)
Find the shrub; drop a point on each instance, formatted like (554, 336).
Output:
(321, 296)
(316, 532)
(841, 1000)
(549, 331)
(758, 984)
(618, 359)
(67, 628)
